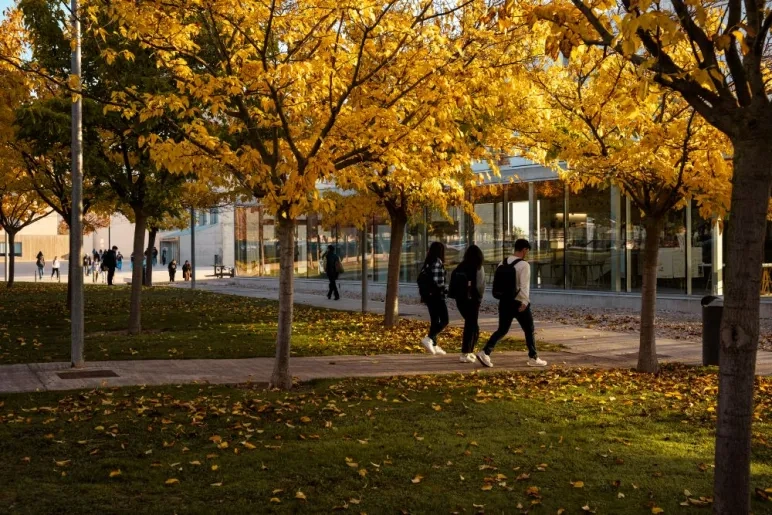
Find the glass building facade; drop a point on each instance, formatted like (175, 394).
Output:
(587, 241)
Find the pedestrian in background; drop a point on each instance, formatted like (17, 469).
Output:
(186, 270)
(172, 270)
(55, 268)
(333, 268)
(40, 262)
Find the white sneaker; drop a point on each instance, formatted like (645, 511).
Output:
(428, 344)
(438, 350)
(484, 359)
(471, 358)
(465, 358)
(537, 362)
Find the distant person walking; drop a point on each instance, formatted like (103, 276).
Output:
(431, 286)
(186, 270)
(40, 261)
(467, 286)
(511, 285)
(94, 270)
(86, 265)
(163, 257)
(109, 262)
(333, 268)
(55, 268)
(119, 261)
(172, 270)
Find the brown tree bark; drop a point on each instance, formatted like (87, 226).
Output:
(281, 377)
(398, 219)
(135, 310)
(647, 348)
(152, 233)
(10, 256)
(740, 323)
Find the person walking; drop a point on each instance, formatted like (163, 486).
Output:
(94, 270)
(434, 269)
(186, 270)
(119, 261)
(163, 257)
(55, 269)
(109, 263)
(86, 265)
(467, 286)
(333, 268)
(511, 285)
(40, 261)
(172, 270)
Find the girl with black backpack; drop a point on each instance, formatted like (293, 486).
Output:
(467, 285)
(433, 295)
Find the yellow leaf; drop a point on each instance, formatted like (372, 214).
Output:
(305, 420)
(172, 481)
(115, 473)
(657, 510)
(578, 484)
(277, 491)
(216, 484)
(363, 472)
(416, 479)
(275, 500)
(195, 463)
(248, 445)
(215, 467)
(486, 488)
(62, 463)
(300, 495)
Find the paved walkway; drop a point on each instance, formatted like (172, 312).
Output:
(584, 348)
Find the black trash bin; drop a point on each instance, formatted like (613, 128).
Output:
(712, 308)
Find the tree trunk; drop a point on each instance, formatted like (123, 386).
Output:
(10, 258)
(647, 349)
(740, 323)
(152, 233)
(135, 311)
(281, 377)
(391, 310)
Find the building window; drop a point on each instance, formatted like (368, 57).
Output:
(202, 218)
(16, 248)
(214, 216)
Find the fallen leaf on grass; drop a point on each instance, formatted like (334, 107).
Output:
(578, 484)
(215, 467)
(363, 472)
(216, 484)
(115, 473)
(656, 510)
(275, 500)
(305, 420)
(300, 495)
(416, 479)
(196, 463)
(64, 463)
(171, 481)
(486, 488)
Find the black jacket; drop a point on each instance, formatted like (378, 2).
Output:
(109, 259)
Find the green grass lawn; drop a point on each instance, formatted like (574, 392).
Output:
(180, 324)
(577, 440)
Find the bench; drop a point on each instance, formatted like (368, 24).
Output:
(224, 271)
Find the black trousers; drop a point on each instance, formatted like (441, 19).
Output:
(110, 275)
(171, 276)
(509, 311)
(55, 271)
(470, 310)
(438, 314)
(333, 289)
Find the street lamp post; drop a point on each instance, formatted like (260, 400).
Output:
(76, 224)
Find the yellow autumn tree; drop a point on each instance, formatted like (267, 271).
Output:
(595, 122)
(283, 94)
(716, 55)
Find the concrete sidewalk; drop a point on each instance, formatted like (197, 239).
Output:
(584, 348)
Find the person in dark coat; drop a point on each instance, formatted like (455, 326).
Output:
(109, 262)
(332, 267)
(172, 270)
(186, 270)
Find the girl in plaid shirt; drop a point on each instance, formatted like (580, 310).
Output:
(438, 310)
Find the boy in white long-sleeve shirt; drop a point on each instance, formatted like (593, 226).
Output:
(516, 306)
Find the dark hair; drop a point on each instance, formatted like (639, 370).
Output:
(436, 251)
(521, 245)
(331, 247)
(473, 257)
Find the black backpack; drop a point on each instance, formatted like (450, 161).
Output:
(459, 284)
(426, 285)
(505, 281)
